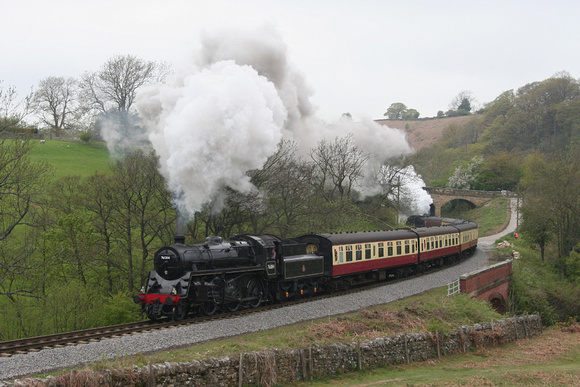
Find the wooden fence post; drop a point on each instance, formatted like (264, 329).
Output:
(241, 371)
(406, 348)
(359, 360)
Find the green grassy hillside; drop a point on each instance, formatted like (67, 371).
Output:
(71, 158)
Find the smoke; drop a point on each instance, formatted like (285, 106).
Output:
(225, 114)
(405, 188)
(209, 127)
(122, 132)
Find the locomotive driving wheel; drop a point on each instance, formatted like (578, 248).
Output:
(179, 312)
(254, 291)
(233, 306)
(208, 308)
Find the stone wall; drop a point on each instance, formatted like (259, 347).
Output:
(287, 366)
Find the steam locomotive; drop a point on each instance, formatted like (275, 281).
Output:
(247, 270)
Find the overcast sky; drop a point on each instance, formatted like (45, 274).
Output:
(357, 56)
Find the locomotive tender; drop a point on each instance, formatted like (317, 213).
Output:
(247, 270)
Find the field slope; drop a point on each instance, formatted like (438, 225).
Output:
(71, 158)
(425, 132)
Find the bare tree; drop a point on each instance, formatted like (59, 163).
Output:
(115, 85)
(55, 101)
(286, 181)
(338, 166)
(12, 110)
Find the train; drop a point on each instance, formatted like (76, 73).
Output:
(247, 270)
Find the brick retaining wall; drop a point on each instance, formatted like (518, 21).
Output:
(286, 366)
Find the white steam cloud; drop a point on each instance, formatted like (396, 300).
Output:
(225, 114)
(211, 126)
(406, 190)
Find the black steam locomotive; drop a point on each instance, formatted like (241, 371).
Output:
(247, 270)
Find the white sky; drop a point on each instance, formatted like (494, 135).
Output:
(357, 56)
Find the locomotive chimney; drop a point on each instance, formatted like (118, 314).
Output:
(180, 226)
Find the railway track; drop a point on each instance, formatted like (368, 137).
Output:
(35, 344)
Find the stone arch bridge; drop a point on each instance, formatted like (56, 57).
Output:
(474, 198)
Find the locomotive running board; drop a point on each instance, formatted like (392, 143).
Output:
(247, 269)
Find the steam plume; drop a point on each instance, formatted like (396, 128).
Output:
(225, 114)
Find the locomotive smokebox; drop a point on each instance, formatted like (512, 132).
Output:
(179, 239)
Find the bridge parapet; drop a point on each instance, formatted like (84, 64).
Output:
(468, 192)
(490, 284)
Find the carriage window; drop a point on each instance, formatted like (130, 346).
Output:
(349, 253)
(358, 252)
(399, 250)
(368, 251)
(407, 247)
(381, 249)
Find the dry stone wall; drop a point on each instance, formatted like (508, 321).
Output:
(286, 366)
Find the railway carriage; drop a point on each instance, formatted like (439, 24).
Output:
(249, 269)
(469, 236)
(360, 252)
(437, 243)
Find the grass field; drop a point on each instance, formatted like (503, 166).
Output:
(71, 158)
(492, 217)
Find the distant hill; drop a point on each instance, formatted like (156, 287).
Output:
(425, 132)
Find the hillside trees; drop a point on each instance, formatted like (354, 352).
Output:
(97, 194)
(541, 116)
(64, 261)
(21, 186)
(399, 111)
(143, 212)
(500, 171)
(551, 187)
